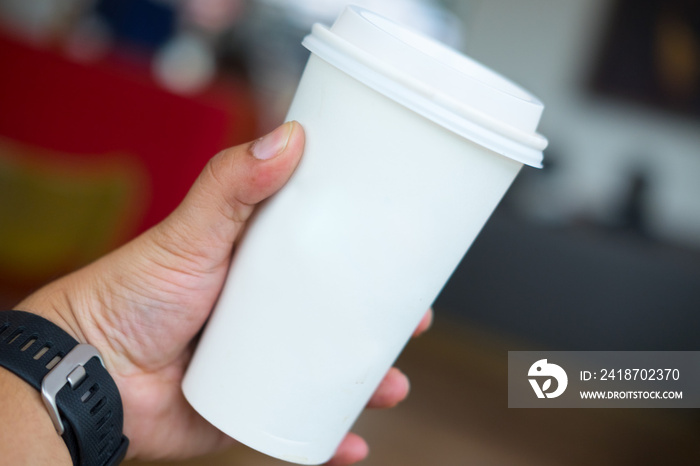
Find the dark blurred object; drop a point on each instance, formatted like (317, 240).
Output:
(651, 55)
(142, 23)
(635, 206)
(93, 154)
(574, 288)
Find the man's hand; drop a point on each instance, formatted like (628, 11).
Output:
(143, 305)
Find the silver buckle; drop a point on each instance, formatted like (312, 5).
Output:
(68, 370)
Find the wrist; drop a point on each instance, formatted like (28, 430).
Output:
(80, 397)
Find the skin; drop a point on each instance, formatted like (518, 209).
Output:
(143, 305)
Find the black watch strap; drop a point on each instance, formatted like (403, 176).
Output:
(80, 395)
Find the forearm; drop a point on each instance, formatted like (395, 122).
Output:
(28, 436)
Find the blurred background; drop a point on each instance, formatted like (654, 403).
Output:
(110, 108)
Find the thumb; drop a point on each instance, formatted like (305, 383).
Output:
(177, 266)
(226, 192)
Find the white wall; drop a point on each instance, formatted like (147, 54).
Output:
(548, 46)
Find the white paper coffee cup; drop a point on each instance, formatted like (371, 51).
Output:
(409, 148)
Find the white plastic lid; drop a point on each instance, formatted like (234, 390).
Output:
(433, 80)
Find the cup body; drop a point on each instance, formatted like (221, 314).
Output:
(337, 269)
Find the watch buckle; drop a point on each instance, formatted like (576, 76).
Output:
(69, 370)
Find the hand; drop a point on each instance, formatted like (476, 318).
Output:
(143, 305)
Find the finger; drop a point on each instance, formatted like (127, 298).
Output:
(232, 183)
(392, 390)
(424, 324)
(352, 449)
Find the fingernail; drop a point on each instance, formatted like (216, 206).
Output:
(273, 143)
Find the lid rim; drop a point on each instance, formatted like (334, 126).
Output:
(437, 106)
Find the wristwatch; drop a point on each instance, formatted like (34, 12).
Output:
(81, 397)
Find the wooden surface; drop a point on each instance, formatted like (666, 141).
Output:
(457, 415)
